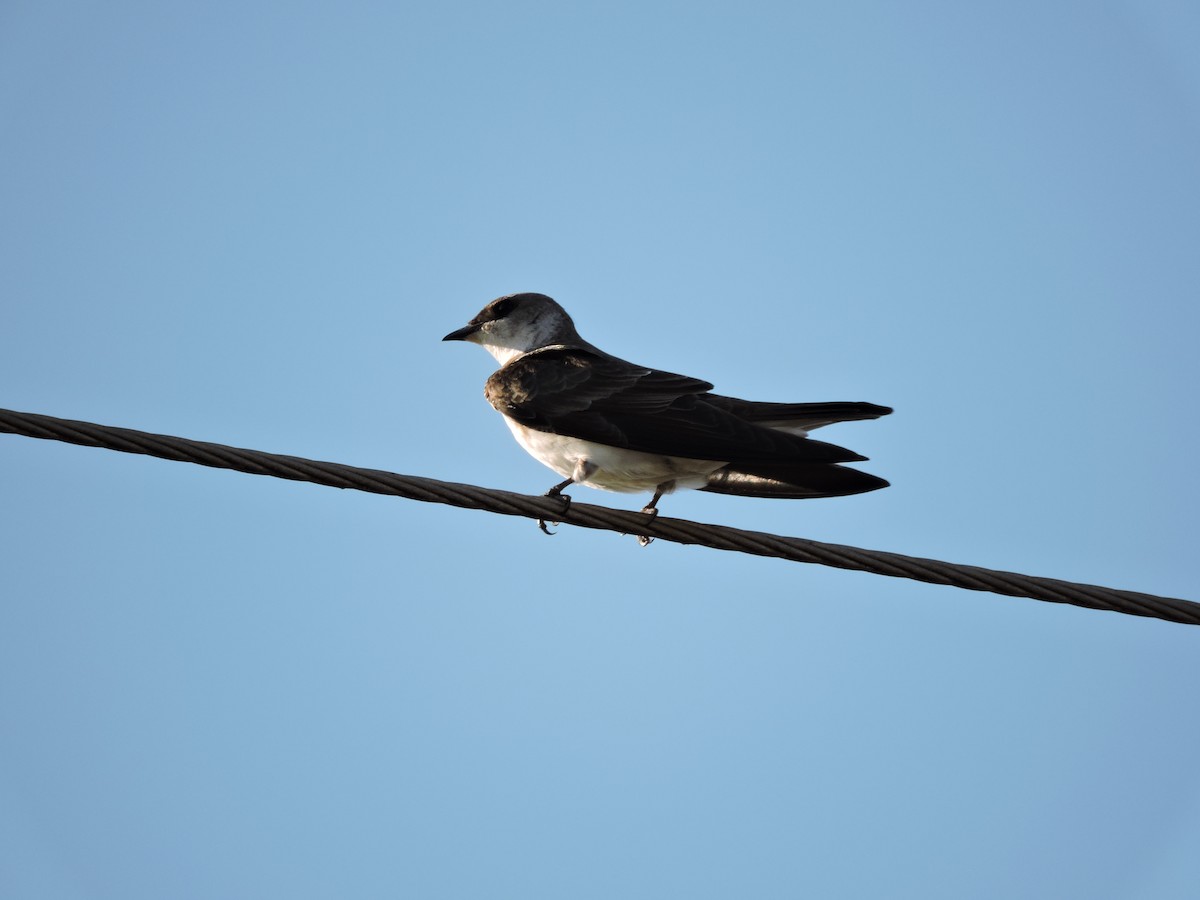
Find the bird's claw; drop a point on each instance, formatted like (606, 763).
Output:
(652, 512)
(566, 499)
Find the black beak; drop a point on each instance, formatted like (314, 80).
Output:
(462, 334)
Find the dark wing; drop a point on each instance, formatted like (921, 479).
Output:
(597, 397)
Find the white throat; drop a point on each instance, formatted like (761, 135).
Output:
(504, 355)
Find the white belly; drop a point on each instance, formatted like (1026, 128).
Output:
(625, 471)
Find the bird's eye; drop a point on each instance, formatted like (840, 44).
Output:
(503, 307)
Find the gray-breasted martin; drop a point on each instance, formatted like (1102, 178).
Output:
(606, 423)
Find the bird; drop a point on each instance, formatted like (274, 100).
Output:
(605, 423)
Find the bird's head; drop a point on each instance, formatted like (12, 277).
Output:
(515, 324)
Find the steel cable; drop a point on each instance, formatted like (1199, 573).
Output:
(681, 531)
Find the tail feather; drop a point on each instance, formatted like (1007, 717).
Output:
(794, 481)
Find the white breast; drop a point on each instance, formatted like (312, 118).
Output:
(625, 471)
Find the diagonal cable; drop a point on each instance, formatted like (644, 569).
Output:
(681, 531)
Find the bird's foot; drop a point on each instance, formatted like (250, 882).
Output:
(652, 512)
(556, 491)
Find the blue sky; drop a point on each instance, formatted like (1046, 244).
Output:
(252, 225)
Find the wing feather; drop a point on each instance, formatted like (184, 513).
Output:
(591, 395)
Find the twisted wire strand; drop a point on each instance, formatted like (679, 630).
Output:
(681, 531)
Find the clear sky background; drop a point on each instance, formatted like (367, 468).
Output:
(252, 224)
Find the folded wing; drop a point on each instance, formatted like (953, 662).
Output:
(590, 395)
(798, 418)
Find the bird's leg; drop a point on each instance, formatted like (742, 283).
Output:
(557, 490)
(651, 508)
(583, 470)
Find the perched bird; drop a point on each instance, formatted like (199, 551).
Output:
(607, 423)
